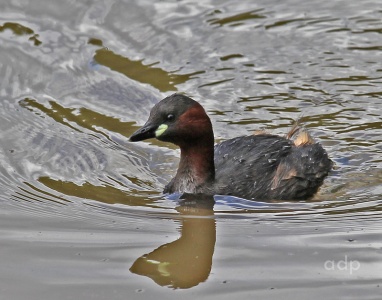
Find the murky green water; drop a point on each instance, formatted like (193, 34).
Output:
(81, 211)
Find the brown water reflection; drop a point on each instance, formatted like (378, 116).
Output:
(104, 194)
(19, 29)
(157, 77)
(187, 261)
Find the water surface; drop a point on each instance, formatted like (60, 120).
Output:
(81, 210)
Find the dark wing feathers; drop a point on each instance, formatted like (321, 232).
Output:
(266, 166)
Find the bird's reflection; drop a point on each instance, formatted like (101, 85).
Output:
(186, 262)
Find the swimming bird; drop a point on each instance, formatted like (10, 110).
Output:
(260, 166)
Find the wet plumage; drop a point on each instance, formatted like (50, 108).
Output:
(261, 166)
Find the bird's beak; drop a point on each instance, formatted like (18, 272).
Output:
(147, 131)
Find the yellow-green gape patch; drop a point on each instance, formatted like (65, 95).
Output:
(162, 128)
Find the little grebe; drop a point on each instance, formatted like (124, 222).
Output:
(260, 166)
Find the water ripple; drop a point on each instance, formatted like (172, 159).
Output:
(64, 131)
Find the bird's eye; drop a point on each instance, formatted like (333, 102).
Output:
(170, 117)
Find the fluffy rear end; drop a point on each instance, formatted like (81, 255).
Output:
(301, 173)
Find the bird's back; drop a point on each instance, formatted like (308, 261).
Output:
(267, 166)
